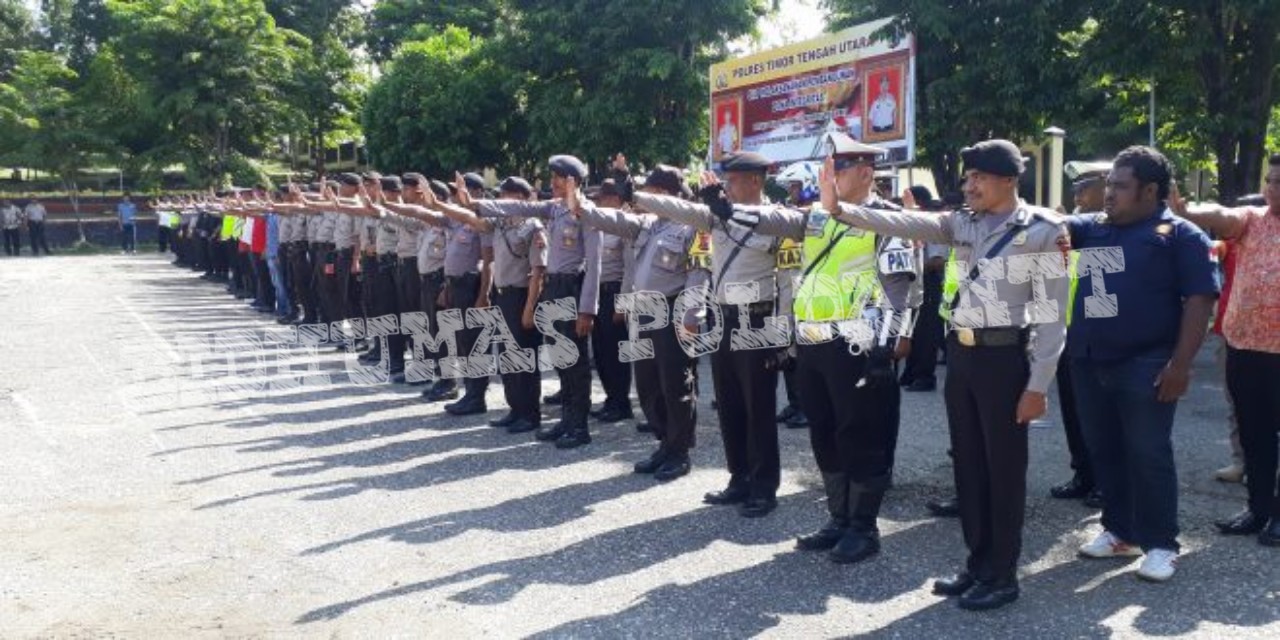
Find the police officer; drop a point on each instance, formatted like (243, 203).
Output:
(1088, 186)
(1001, 356)
(519, 266)
(847, 335)
(745, 380)
(573, 271)
(615, 375)
(666, 383)
(468, 278)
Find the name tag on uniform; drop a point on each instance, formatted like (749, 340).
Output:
(790, 255)
(569, 237)
(897, 261)
(816, 223)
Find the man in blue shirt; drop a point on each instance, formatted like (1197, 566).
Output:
(127, 211)
(1146, 290)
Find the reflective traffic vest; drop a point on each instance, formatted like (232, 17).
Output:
(847, 272)
(951, 286)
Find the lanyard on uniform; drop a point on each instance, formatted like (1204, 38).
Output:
(991, 253)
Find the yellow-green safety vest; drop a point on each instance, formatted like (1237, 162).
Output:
(846, 273)
(951, 285)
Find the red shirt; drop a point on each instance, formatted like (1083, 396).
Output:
(1252, 319)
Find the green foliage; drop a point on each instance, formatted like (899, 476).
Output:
(444, 104)
(75, 28)
(393, 23)
(214, 69)
(17, 32)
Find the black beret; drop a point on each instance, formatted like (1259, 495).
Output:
(333, 184)
(668, 179)
(440, 190)
(922, 194)
(371, 175)
(349, 179)
(391, 183)
(413, 179)
(568, 166)
(516, 184)
(314, 187)
(996, 157)
(608, 188)
(473, 181)
(745, 161)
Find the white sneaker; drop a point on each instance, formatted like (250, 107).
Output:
(1107, 545)
(1158, 565)
(1233, 472)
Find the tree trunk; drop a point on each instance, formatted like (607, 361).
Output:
(73, 191)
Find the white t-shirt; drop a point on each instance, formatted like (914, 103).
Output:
(35, 212)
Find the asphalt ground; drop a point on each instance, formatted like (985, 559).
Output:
(157, 484)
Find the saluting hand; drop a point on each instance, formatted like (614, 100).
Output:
(572, 199)
(827, 185)
(464, 196)
(908, 199)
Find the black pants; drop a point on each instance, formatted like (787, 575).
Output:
(746, 399)
(301, 273)
(408, 290)
(983, 387)
(1071, 421)
(667, 387)
(853, 430)
(791, 387)
(384, 299)
(575, 380)
(163, 241)
(520, 389)
(337, 285)
(464, 290)
(429, 295)
(1253, 379)
(615, 376)
(38, 241)
(927, 337)
(12, 242)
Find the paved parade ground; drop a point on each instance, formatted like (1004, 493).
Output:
(149, 492)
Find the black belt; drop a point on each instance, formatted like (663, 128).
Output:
(502, 291)
(563, 277)
(436, 275)
(462, 279)
(387, 258)
(755, 308)
(409, 260)
(1002, 337)
(347, 252)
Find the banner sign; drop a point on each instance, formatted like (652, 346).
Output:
(780, 102)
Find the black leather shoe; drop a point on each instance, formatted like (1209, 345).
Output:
(1270, 537)
(985, 596)
(1074, 489)
(555, 398)
(436, 394)
(954, 586)
(798, 420)
(1241, 524)
(551, 434)
(758, 507)
(644, 427)
(786, 413)
(855, 546)
(573, 439)
(948, 508)
(466, 407)
(652, 463)
(1093, 500)
(729, 495)
(823, 539)
(672, 468)
(505, 421)
(523, 425)
(919, 386)
(396, 377)
(614, 414)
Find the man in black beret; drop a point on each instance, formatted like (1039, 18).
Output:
(611, 330)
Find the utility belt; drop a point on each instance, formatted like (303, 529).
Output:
(465, 279)
(511, 290)
(755, 309)
(434, 277)
(1000, 337)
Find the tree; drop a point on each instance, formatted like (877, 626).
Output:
(75, 28)
(215, 70)
(17, 32)
(1214, 64)
(41, 113)
(445, 104)
(393, 22)
(624, 67)
(326, 88)
(990, 69)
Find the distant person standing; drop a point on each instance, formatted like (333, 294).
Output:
(35, 214)
(128, 212)
(11, 219)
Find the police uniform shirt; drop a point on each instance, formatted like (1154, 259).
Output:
(463, 251)
(518, 247)
(386, 239)
(755, 262)
(35, 212)
(613, 251)
(1040, 232)
(407, 234)
(298, 231)
(1166, 260)
(571, 249)
(345, 231)
(12, 217)
(328, 220)
(432, 244)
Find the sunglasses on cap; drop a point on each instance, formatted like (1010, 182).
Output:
(849, 162)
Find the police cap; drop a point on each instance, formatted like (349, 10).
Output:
(568, 166)
(841, 144)
(349, 179)
(391, 183)
(516, 184)
(473, 180)
(745, 162)
(996, 157)
(668, 179)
